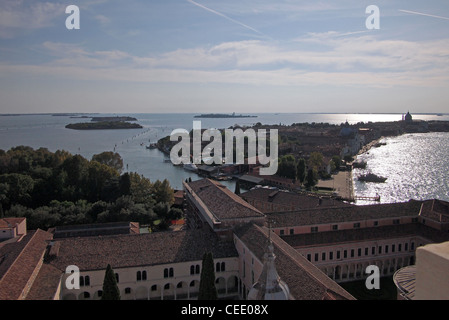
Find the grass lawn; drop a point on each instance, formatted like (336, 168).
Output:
(359, 291)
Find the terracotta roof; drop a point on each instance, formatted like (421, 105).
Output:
(289, 200)
(222, 202)
(304, 280)
(326, 215)
(10, 222)
(121, 251)
(46, 283)
(18, 261)
(365, 234)
(436, 210)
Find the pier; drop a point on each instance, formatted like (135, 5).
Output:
(376, 198)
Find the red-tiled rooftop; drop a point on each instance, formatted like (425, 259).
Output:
(289, 200)
(18, 261)
(10, 222)
(222, 202)
(326, 215)
(305, 281)
(120, 251)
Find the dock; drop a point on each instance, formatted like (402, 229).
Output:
(376, 198)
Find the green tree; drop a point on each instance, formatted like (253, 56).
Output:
(110, 288)
(237, 187)
(207, 290)
(315, 160)
(311, 178)
(301, 170)
(287, 167)
(111, 159)
(162, 192)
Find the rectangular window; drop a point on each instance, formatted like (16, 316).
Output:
(309, 257)
(366, 251)
(386, 248)
(395, 221)
(292, 231)
(345, 254)
(281, 232)
(338, 254)
(375, 223)
(393, 248)
(380, 249)
(335, 227)
(314, 229)
(352, 253)
(400, 247)
(359, 252)
(373, 250)
(316, 256)
(323, 256)
(331, 255)
(356, 225)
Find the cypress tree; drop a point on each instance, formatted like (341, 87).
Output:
(110, 288)
(237, 187)
(207, 290)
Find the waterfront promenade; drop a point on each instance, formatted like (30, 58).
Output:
(341, 183)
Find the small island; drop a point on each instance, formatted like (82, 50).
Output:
(223, 115)
(103, 125)
(117, 118)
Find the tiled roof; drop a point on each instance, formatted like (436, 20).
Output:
(305, 281)
(18, 261)
(222, 202)
(436, 210)
(291, 200)
(46, 283)
(326, 215)
(121, 251)
(365, 234)
(10, 222)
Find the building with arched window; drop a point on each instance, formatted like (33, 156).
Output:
(315, 249)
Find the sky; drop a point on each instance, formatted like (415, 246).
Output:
(243, 56)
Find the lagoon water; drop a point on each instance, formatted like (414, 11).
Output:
(416, 165)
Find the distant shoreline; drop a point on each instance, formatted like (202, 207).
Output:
(222, 115)
(103, 125)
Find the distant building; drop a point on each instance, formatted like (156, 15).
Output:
(408, 117)
(12, 227)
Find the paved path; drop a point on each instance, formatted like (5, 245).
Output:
(341, 183)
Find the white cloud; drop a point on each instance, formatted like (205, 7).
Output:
(355, 60)
(17, 16)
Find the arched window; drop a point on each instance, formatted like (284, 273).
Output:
(144, 275)
(127, 290)
(197, 269)
(223, 267)
(171, 272)
(165, 273)
(192, 269)
(116, 277)
(87, 281)
(86, 295)
(139, 276)
(82, 281)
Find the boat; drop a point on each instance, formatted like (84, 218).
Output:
(190, 167)
(371, 177)
(152, 146)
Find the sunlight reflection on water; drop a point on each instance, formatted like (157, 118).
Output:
(416, 167)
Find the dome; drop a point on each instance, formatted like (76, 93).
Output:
(269, 286)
